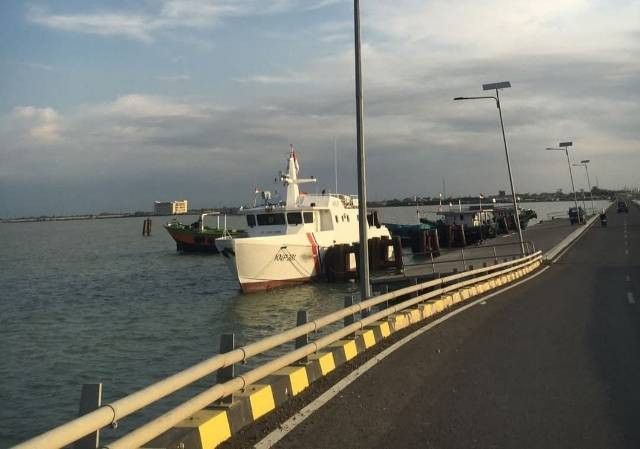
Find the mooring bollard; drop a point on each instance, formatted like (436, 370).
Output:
(302, 340)
(146, 227)
(90, 399)
(349, 319)
(227, 344)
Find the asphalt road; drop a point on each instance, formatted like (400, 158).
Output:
(554, 362)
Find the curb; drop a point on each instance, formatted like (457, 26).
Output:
(551, 256)
(211, 426)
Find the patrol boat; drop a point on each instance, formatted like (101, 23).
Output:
(286, 241)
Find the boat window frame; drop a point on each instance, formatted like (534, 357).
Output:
(253, 218)
(306, 214)
(299, 214)
(260, 218)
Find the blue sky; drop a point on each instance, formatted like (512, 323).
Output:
(112, 105)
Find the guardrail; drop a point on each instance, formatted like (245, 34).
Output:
(113, 412)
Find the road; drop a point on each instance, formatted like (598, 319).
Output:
(554, 362)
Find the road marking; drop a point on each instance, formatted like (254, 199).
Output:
(325, 397)
(628, 278)
(630, 298)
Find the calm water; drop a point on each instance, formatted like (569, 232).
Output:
(94, 301)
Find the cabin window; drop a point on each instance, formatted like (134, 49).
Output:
(294, 218)
(347, 219)
(308, 217)
(336, 218)
(271, 219)
(251, 220)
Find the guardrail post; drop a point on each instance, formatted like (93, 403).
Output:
(484, 264)
(433, 265)
(495, 256)
(302, 340)
(349, 319)
(533, 247)
(90, 399)
(417, 292)
(227, 344)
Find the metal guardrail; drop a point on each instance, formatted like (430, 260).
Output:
(111, 413)
(529, 246)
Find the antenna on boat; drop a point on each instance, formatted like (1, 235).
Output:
(335, 161)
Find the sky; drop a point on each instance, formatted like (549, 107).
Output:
(109, 106)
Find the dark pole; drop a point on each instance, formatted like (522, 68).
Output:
(365, 288)
(575, 196)
(513, 190)
(593, 209)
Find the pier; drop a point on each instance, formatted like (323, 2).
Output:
(542, 346)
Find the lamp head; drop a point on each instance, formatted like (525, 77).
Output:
(586, 161)
(565, 144)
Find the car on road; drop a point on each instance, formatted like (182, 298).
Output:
(623, 207)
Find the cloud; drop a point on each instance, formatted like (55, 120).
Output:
(42, 125)
(173, 77)
(165, 16)
(285, 78)
(146, 106)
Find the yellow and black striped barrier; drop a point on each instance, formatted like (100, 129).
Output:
(209, 427)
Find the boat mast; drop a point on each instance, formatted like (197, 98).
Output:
(335, 162)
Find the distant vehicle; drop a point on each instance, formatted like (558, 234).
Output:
(603, 219)
(576, 216)
(623, 207)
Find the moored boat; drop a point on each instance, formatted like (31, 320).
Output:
(196, 237)
(287, 240)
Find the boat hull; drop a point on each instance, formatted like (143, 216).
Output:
(193, 241)
(262, 263)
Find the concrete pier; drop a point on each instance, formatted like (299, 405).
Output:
(543, 236)
(553, 362)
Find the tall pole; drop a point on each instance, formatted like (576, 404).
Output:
(365, 287)
(516, 214)
(335, 162)
(593, 209)
(575, 197)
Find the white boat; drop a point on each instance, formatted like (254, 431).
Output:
(287, 241)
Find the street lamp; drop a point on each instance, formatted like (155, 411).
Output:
(584, 163)
(564, 147)
(497, 87)
(365, 286)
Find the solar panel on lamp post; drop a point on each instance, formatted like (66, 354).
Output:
(497, 87)
(564, 147)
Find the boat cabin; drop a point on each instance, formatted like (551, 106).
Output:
(468, 217)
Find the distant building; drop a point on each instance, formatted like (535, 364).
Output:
(170, 207)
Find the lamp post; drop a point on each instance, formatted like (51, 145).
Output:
(365, 286)
(564, 147)
(584, 163)
(497, 87)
